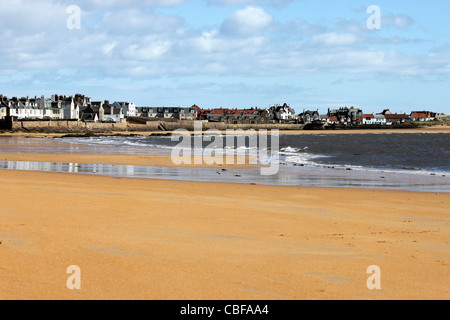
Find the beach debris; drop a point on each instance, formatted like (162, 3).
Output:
(224, 170)
(237, 175)
(410, 168)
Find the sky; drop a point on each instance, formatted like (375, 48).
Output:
(231, 53)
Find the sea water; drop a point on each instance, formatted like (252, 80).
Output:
(406, 161)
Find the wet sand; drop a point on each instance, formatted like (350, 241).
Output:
(136, 160)
(152, 239)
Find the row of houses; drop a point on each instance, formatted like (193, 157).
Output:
(388, 118)
(353, 116)
(78, 107)
(179, 113)
(82, 108)
(276, 113)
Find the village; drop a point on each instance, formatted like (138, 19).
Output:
(82, 109)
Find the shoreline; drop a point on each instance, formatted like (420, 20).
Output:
(206, 240)
(160, 167)
(54, 155)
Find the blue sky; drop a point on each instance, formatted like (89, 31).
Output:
(231, 53)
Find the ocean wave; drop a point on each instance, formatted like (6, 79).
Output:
(117, 142)
(303, 158)
(292, 150)
(308, 160)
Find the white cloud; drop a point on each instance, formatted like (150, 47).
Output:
(399, 21)
(108, 48)
(139, 21)
(271, 3)
(147, 50)
(165, 3)
(139, 42)
(99, 4)
(247, 21)
(403, 21)
(334, 39)
(25, 17)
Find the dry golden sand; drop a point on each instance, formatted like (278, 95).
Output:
(151, 239)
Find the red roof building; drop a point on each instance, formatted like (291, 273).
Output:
(419, 115)
(423, 116)
(333, 119)
(395, 118)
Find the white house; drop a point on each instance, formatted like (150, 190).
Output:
(189, 113)
(378, 119)
(152, 112)
(281, 112)
(181, 113)
(368, 118)
(129, 108)
(112, 113)
(423, 116)
(71, 109)
(25, 108)
(50, 109)
(333, 120)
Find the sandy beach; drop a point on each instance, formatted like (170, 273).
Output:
(151, 239)
(219, 157)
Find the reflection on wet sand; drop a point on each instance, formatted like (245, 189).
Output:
(288, 176)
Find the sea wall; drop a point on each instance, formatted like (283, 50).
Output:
(66, 126)
(189, 125)
(79, 126)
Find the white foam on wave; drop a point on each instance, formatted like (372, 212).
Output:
(291, 150)
(308, 159)
(303, 158)
(115, 142)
